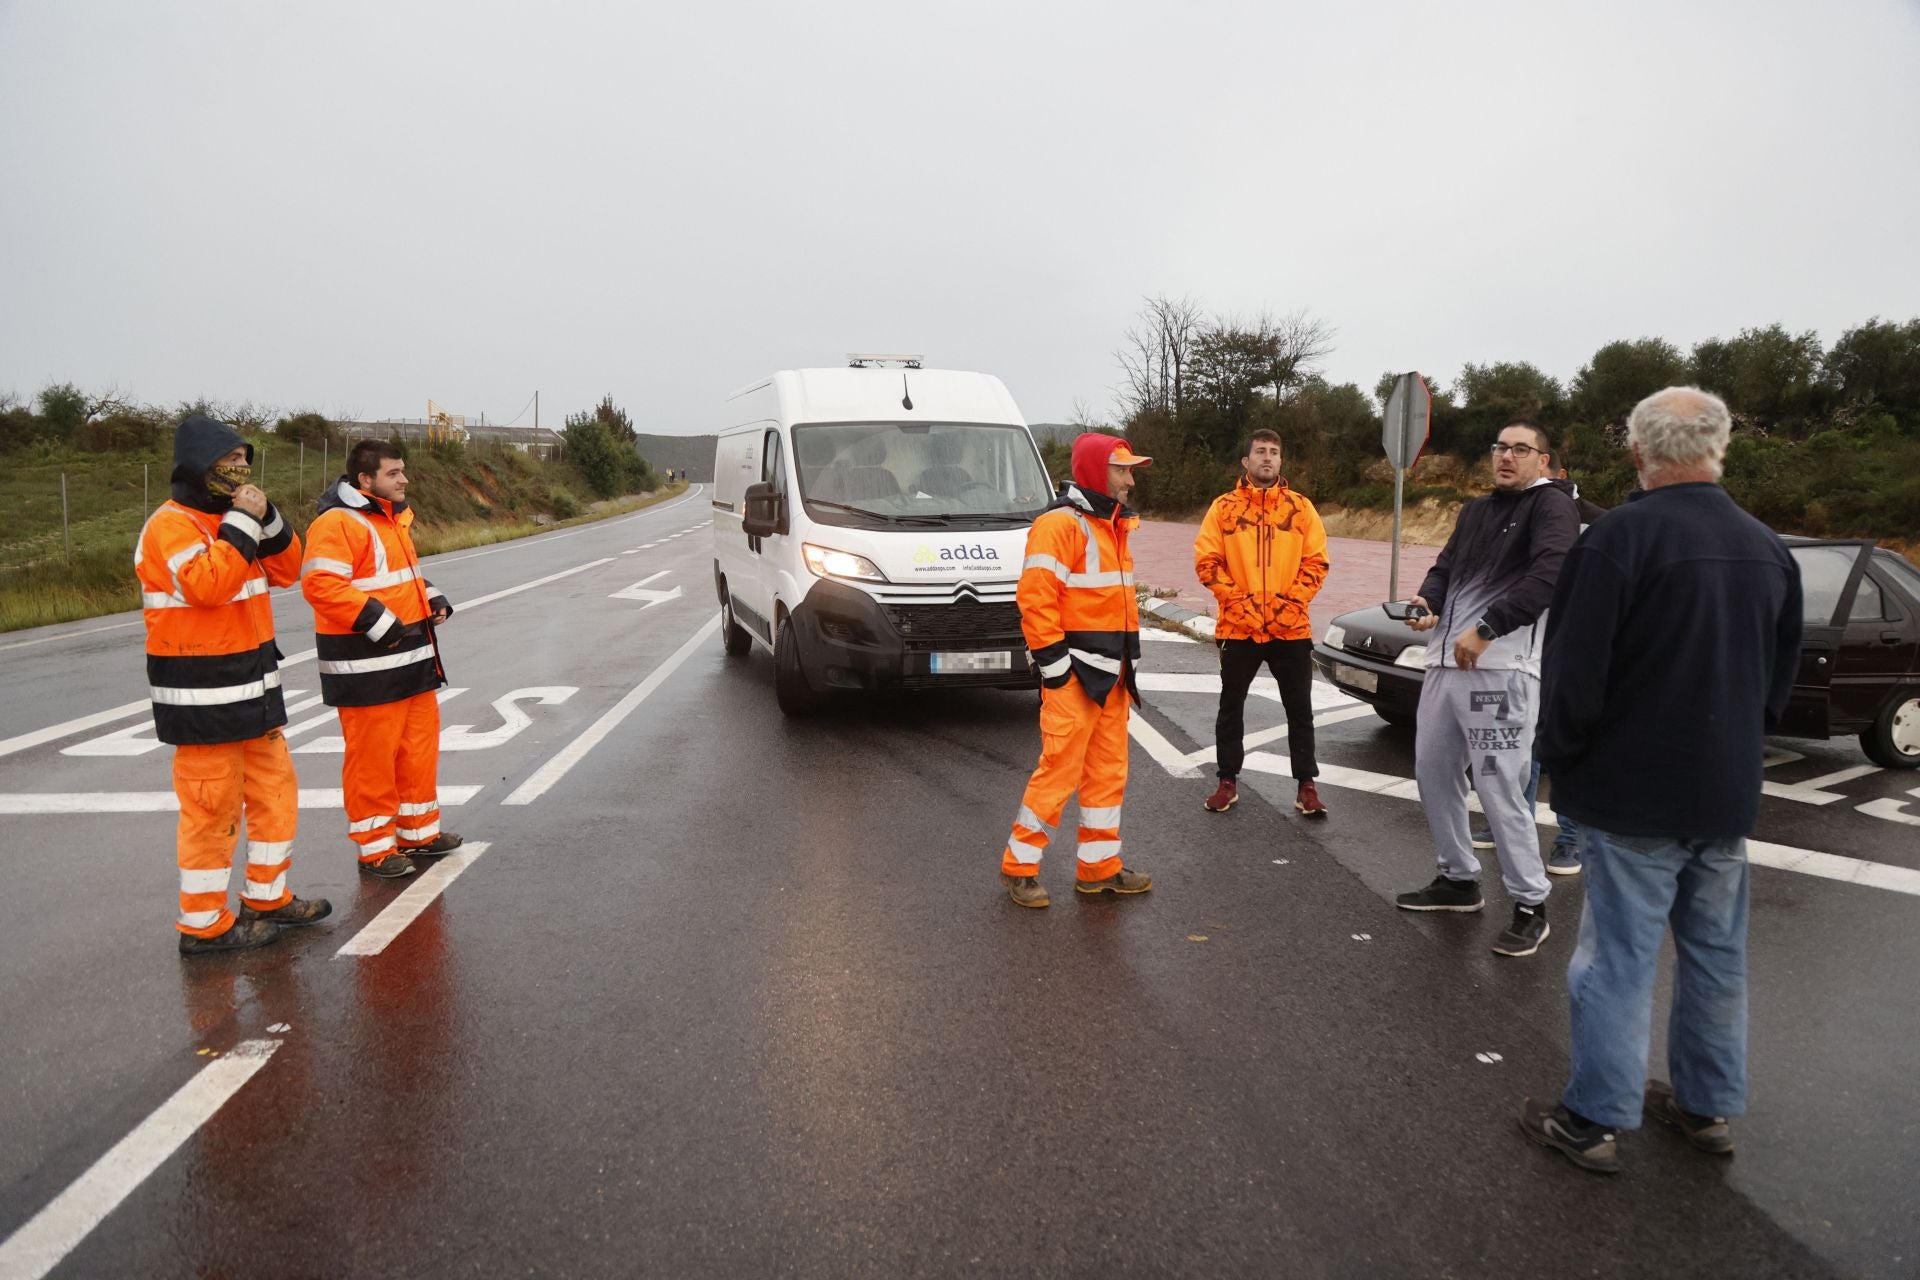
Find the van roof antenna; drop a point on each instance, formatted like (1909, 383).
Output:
(869, 360)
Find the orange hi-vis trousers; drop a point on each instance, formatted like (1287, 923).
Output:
(1083, 747)
(218, 784)
(390, 774)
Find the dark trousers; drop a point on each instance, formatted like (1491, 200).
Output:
(1291, 662)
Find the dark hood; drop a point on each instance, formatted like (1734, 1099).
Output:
(1514, 495)
(198, 443)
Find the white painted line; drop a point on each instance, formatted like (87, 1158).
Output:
(537, 582)
(653, 577)
(406, 908)
(72, 635)
(1890, 810)
(1831, 866)
(1164, 753)
(50, 1235)
(1839, 776)
(544, 539)
(25, 804)
(557, 768)
(55, 731)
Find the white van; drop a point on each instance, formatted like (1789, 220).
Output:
(869, 528)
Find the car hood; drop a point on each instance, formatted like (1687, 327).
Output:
(1371, 631)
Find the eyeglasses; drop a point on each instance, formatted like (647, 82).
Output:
(1520, 451)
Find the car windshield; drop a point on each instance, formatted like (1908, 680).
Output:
(898, 472)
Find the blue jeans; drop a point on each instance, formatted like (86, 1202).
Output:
(1638, 886)
(1567, 839)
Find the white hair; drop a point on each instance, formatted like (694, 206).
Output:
(1680, 428)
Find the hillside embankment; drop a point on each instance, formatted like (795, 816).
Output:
(55, 570)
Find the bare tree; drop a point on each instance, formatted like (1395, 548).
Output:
(106, 403)
(1158, 351)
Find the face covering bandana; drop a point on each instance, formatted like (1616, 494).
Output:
(228, 476)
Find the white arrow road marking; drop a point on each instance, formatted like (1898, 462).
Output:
(1810, 791)
(34, 803)
(51, 1234)
(418, 896)
(138, 739)
(1892, 810)
(652, 595)
(461, 737)
(52, 732)
(557, 768)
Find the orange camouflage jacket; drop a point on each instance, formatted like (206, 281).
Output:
(1263, 554)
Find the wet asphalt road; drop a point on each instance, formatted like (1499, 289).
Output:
(740, 995)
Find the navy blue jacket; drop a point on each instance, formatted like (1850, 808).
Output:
(1672, 643)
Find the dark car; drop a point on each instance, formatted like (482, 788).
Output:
(1859, 652)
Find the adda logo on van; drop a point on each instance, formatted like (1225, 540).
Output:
(979, 555)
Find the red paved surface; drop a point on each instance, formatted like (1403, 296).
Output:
(1356, 574)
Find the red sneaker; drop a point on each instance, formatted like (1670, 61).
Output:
(1224, 796)
(1307, 800)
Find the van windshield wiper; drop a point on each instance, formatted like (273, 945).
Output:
(877, 515)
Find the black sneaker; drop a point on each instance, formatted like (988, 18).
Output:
(391, 867)
(1443, 895)
(240, 935)
(1528, 930)
(1711, 1134)
(1589, 1145)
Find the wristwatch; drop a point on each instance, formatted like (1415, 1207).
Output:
(1484, 631)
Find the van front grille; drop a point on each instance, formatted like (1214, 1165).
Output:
(970, 622)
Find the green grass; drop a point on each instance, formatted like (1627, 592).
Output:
(467, 500)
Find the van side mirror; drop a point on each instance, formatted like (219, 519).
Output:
(760, 512)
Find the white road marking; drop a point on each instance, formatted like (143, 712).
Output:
(461, 737)
(417, 897)
(1488, 1058)
(544, 539)
(557, 768)
(651, 595)
(50, 1235)
(55, 731)
(72, 635)
(138, 739)
(337, 745)
(34, 803)
(537, 582)
(1890, 810)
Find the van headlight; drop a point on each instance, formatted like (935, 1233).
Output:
(1414, 655)
(829, 563)
(1336, 636)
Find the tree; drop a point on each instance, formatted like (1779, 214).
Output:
(1159, 348)
(615, 419)
(1768, 377)
(591, 449)
(1878, 365)
(64, 410)
(1621, 375)
(1494, 396)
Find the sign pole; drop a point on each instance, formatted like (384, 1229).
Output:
(1393, 569)
(1404, 423)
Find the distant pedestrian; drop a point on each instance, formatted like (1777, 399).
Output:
(1262, 551)
(1673, 645)
(1082, 625)
(206, 560)
(1480, 698)
(374, 614)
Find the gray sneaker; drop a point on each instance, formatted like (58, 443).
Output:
(1563, 860)
(1711, 1134)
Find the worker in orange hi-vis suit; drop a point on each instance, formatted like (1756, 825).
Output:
(206, 560)
(1082, 623)
(374, 615)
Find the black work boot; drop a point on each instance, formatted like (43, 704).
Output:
(444, 843)
(239, 936)
(297, 912)
(391, 867)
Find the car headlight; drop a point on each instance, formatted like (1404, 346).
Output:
(1336, 636)
(1414, 655)
(829, 563)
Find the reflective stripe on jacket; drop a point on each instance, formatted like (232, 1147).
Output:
(1076, 597)
(363, 580)
(212, 667)
(1263, 554)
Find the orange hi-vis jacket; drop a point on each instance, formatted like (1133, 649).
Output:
(1263, 554)
(1077, 604)
(212, 664)
(363, 580)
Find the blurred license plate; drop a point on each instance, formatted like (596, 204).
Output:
(1356, 677)
(949, 663)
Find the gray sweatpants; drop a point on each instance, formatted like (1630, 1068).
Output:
(1481, 720)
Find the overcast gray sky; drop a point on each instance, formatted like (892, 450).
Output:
(356, 207)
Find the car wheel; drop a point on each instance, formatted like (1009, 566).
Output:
(1894, 740)
(733, 637)
(790, 688)
(1398, 719)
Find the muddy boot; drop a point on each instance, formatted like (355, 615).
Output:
(299, 911)
(238, 937)
(1026, 890)
(1121, 881)
(444, 843)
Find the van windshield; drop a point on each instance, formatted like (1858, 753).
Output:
(915, 472)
